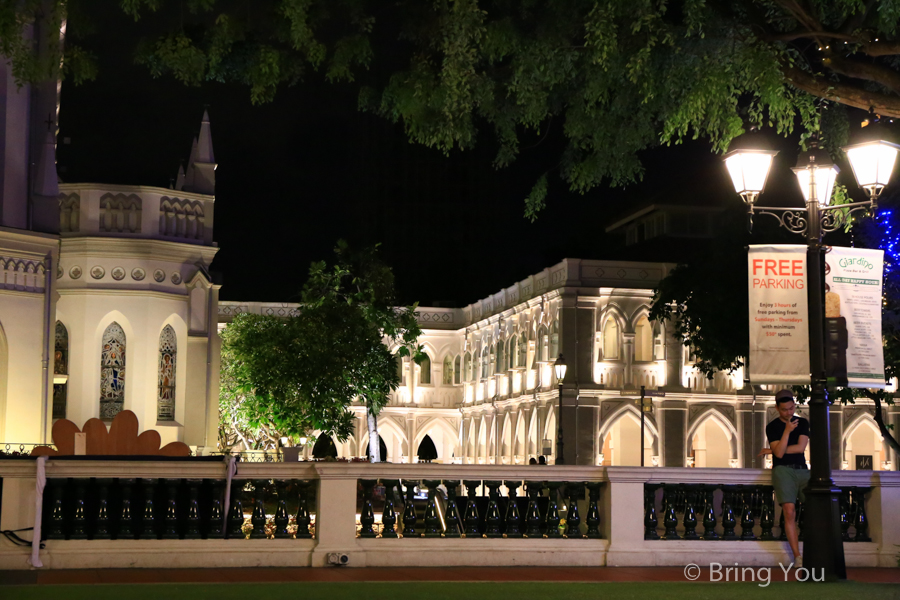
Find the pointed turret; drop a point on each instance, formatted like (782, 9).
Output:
(179, 179)
(201, 172)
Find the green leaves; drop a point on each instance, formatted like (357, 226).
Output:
(300, 374)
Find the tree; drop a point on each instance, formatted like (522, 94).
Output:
(298, 374)
(614, 78)
(712, 319)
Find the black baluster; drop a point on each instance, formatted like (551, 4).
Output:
(432, 518)
(766, 518)
(148, 512)
(170, 523)
(845, 515)
(56, 526)
(303, 519)
(101, 523)
(389, 516)
(367, 516)
(593, 515)
(258, 518)
(729, 521)
(471, 509)
(651, 520)
(573, 519)
(281, 518)
(861, 523)
(513, 519)
(551, 529)
(709, 514)
(409, 510)
(192, 520)
(492, 521)
(782, 537)
(800, 519)
(533, 512)
(689, 520)
(670, 519)
(236, 511)
(454, 523)
(125, 529)
(79, 522)
(748, 521)
(217, 526)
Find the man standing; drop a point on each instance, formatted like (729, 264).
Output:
(788, 437)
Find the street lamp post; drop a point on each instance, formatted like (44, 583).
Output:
(872, 163)
(560, 368)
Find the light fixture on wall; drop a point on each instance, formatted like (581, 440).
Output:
(654, 460)
(690, 461)
(600, 459)
(845, 465)
(734, 463)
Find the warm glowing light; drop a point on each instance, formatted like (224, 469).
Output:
(818, 181)
(872, 163)
(749, 170)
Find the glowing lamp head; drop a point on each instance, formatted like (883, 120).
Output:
(872, 163)
(560, 368)
(816, 174)
(749, 170)
(748, 162)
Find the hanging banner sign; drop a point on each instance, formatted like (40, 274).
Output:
(853, 285)
(779, 316)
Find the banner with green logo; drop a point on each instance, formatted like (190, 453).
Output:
(853, 283)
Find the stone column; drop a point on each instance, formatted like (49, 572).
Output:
(674, 361)
(751, 428)
(336, 516)
(673, 414)
(628, 349)
(894, 417)
(623, 519)
(411, 435)
(836, 425)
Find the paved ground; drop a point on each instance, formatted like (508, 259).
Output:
(340, 574)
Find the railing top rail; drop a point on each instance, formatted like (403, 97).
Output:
(338, 470)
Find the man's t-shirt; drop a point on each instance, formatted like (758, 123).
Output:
(775, 430)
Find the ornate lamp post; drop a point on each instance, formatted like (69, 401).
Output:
(560, 368)
(872, 162)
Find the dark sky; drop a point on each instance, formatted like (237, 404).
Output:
(298, 174)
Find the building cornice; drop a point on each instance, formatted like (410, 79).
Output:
(139, 248)
(69, 188)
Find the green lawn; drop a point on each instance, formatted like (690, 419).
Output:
(456, 591)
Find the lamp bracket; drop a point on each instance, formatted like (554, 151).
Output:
(796, 220)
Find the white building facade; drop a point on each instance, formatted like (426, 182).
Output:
(488, 393)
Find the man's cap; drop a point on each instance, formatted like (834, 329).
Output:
(784, 394)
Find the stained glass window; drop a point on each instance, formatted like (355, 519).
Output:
(60, 367)
(165, 405)
(112, 371)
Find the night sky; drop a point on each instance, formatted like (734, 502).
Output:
(298, 174)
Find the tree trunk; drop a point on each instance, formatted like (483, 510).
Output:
(374, 439)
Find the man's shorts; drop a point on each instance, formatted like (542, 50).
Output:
(789, 484)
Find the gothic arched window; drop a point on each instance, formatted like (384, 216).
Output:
(457, 370)
(425, 371)
(112, 371)
(60, 371)
(165, 403)
(448, 371)
(611, 339)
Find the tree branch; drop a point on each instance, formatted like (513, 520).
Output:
(875, 49)
(879, 419)
(800, 34)
(861, 70)
(847, 95)
(800, 14)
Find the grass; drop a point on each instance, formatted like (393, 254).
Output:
(457, 591)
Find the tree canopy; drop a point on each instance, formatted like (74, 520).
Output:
(614, 77)
(296, 375)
